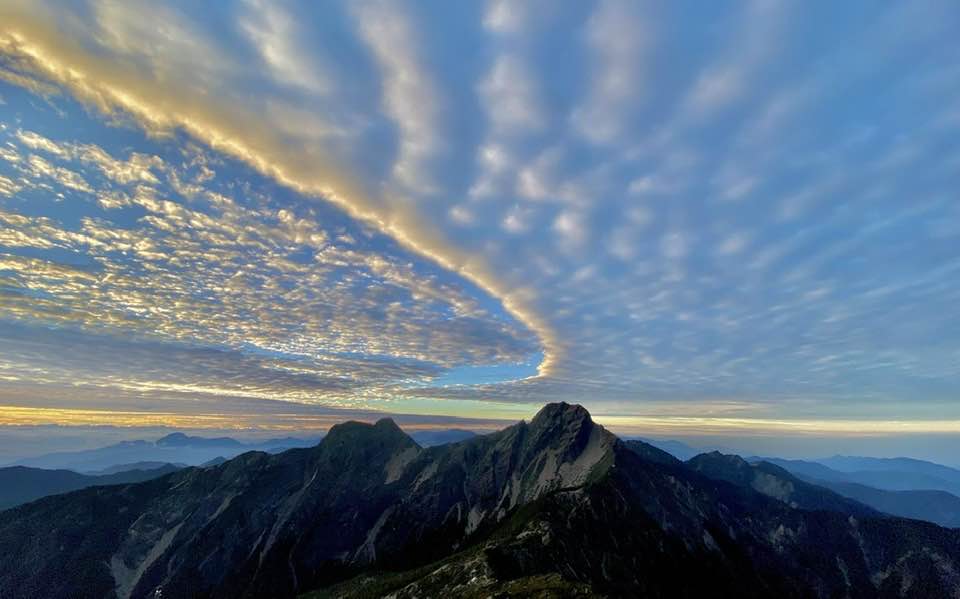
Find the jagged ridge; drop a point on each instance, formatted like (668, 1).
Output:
(556, 501)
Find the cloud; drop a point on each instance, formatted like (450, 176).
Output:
(572, 228)
(158, 37)
(616, 36)
(674, 245)
(462, 215)
(114, 89)
(517, 219)
(733, 244)
(503, 16)
(672, 241)
(410, 96)
(229, 274)
(275, 35)
(510, 97)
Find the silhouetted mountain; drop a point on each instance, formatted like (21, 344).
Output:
(677, 449)
(133, 466)
(927, 477)
(896, 474)
(774, 481)
(844, 463)
(557, 506)
(804, 469)
(19, 484)
(183, 440)
(180, 448)
(175, 448)
(652, 453)
(937, 506)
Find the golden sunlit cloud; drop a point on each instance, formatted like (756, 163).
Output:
(280, 422)
(119, 88)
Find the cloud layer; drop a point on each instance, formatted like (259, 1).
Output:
(721, 209)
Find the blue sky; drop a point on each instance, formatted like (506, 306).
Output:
(695, 219)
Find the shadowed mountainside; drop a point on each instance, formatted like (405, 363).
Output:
(19, 484)
(933, 505)
(557, 506)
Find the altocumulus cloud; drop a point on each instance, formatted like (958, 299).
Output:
(675, 205)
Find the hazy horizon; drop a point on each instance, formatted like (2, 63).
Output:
(28, 441)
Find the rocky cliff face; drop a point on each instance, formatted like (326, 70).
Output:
(558, 506)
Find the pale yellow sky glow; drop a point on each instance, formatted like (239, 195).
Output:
(680, 426)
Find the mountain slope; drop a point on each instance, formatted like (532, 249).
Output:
(175, 448)
(892, 474)
(19, 484)
(776, 482)
(179, 448)
(652, 530)
(937, 506)
(867, 464)
(557, 505)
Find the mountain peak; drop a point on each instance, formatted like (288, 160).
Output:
(387, 424)
(384, 432)
(561, 413)
(717, 459)
(179, 439)
(172, 439)
(566, 446)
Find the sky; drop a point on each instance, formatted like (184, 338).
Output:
(730, 220)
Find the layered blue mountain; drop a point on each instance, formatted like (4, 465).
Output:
(921, 493)
(554, 507)
(180, 448)
(19, 484)
(175, 448)
(896, 474)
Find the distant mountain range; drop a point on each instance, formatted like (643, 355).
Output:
(776, 482)
(893, 474)
(910, 488)
(19, 484)
(557, 507)
(179, 448)
(175, 448)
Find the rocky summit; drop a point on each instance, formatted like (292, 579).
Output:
(557, 507)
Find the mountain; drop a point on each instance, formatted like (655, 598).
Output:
(937, 506)
(19, 484)
(776, 482)
(651, 453)
(677, 449)
(896, 474)
(180, 448)
(134, 466)
(858, 464)
(175, 448)
(183, 440)
(900, 477)
(804, 469)
(557, 507)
